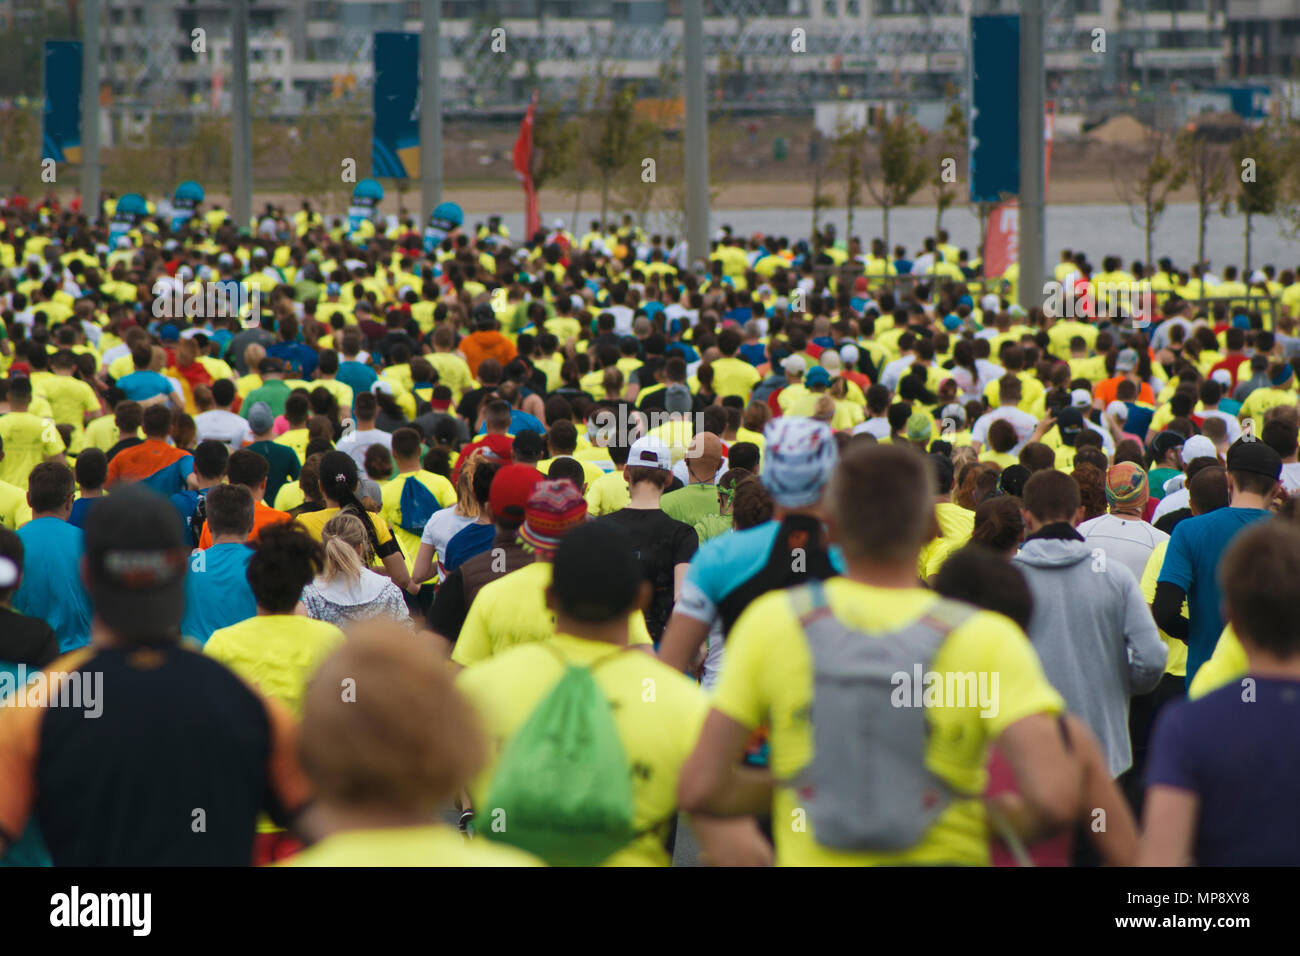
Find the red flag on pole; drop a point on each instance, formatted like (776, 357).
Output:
(1002, 242)
(524, 170)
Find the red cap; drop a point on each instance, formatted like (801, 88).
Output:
(511, 487)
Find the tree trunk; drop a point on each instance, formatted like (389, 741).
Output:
(1150, 228)
(604, 200)
(938, 218)
(577, 203)
(1246, 269)
(884, 223)
(1202, 213)
(816, 200)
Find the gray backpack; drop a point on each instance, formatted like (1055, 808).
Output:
(867, 786)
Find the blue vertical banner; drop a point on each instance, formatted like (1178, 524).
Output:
(61, 122)
(395, 146)
(995, 108)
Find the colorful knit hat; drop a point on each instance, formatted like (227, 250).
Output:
(554, 509)
(1126, 485)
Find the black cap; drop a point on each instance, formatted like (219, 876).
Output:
(1069, 422)
(136, 559)
(1012, 480)
(596, 574)
(1246, 454)
(269, 366)
(1165, 442)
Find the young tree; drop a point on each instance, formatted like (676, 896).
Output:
(850, 160)
(954, 140)
(1157, 175)
(904, 168)
(622, 138)
(1206, 167)
(817, 157)
(1260, 165)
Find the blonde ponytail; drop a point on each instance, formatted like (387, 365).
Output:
(343, 535)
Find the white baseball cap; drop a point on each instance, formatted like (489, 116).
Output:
(794, 363)
(1222, 376)
(849, 353)
(647, 452)
(1118, 411)
(1198, 446)
(1080, 398)
(990, 303)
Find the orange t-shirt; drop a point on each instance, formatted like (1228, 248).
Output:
(1105, 391)
(485, 345)
(263, 515)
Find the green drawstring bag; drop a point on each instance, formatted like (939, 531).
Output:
(563, 787)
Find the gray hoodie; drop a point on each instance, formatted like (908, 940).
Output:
(1094, 634)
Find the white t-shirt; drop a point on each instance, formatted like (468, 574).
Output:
(1129, 541)
(1291, 477)
(441, 527)
(1023, 422)
(356, 444)
(1173, 501)
(894, 371)
(622, 319)
(1234, 426)
(223, 426)
(876, 427)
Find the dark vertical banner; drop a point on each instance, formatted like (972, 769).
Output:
(995, 108)
(61, 123)
(395, 147)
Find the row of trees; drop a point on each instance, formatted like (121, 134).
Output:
(904, 166)
(1250, 176)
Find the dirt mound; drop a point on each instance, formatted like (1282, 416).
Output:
(1121, 130)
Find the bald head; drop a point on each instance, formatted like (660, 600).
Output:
(704, 457)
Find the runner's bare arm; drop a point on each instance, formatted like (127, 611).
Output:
(1116, 840)
(1048, 778)
(713, 780)
(681, 641)
(423, 569)
(1168, 825)
(734, 841)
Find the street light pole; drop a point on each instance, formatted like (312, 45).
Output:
(430, 108)
(1032, 154)
(697, 133)
(241, 120)
(90, 110)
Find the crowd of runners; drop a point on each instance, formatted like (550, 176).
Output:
(322, 546)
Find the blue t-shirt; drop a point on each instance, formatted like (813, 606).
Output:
(754, 353)
(520, 422)
(80, 511)
(357, 376)
(186, 502)
(142, 386)
(1139, 418)
(720, 578)
(299, 358)
(51, 588)
(217, 593)
(1235, 750)
(468, 541)
(1192, 563)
